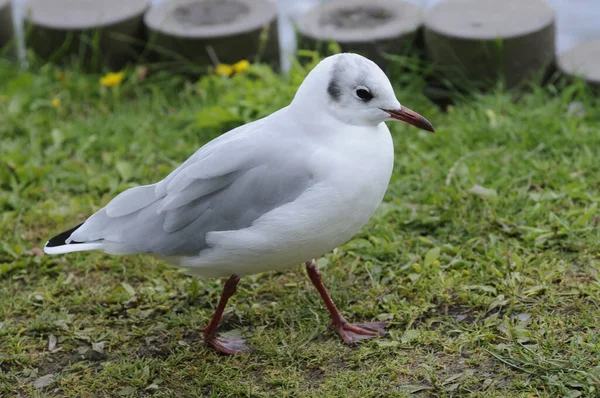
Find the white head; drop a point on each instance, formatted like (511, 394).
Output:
(354, 90)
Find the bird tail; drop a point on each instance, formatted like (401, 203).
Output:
(59, 245)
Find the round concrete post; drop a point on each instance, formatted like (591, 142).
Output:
(371, 28)
(204, 31)
(107, 32)
(479, 41)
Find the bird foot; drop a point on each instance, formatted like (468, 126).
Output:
(229, 345)
(354, 332)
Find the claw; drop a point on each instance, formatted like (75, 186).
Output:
(229, 345)
(354, 332)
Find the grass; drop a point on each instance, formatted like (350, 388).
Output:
(484, 256)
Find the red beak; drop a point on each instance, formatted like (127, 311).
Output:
(407, 116)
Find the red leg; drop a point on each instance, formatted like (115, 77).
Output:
(226, 345)
(350, 333)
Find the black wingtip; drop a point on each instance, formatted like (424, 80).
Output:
(61, 238)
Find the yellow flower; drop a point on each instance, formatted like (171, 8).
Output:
(55, 102)
(466, 272)
(4, 98)
(224, 70)
(241, 66)
(436, 262)
(112, 79)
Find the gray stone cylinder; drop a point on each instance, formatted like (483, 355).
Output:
(107, 32)
(582, 61)
(371, 28)
(199, 30)
(6, 23)
(476, 42)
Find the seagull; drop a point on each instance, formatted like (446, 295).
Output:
(268, 195)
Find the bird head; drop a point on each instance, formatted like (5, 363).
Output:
(354, 90)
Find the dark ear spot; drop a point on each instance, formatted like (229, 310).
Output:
(334, 90)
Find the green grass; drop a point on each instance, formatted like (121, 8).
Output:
(489, 294)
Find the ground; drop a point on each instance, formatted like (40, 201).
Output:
(484, 256)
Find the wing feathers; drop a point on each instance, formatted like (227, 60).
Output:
(131, 200)
(226, 185)
(194, 190)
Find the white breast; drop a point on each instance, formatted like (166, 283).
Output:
(353, 177)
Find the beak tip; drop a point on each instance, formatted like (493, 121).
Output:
(428, 126)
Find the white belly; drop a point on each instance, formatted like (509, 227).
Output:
(322, 218)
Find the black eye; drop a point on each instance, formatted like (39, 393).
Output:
(364, 94)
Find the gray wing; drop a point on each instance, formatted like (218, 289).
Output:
(226, 185)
